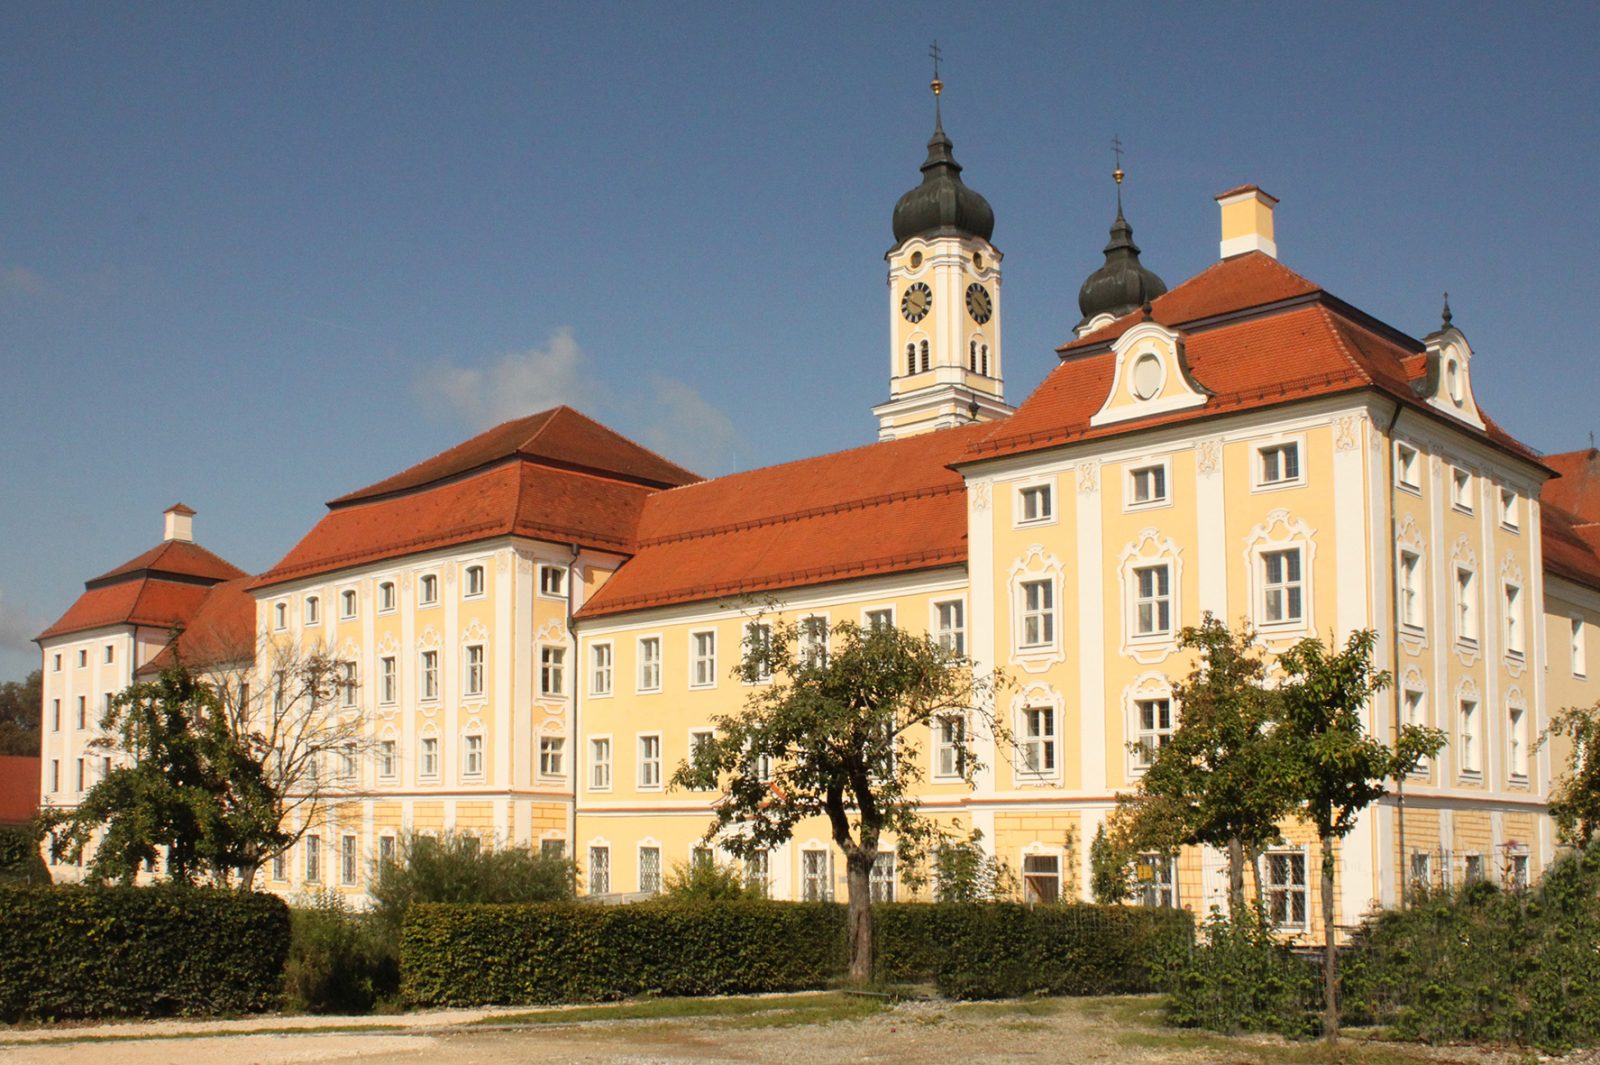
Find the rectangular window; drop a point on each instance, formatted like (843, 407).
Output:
(430, 674)
(1466, 605)
(386, 597)
(1147, 485)
(1279, 464)
(552, 756)
(1421, 869)
(388, 680)
(81, 776)
(1286, 888)
(1508, 508)
(1513, 596)
(600, 764)
(1470, 747)
(280, 619)
(111, 653)
(347, 605)
(650, 761)
(1155, 729)
(882, 879)
(1472, 868)
(347, 860)
(1152, 600)
(347, 763)
(703, 666)
(313, 610)
(83, 711)
(1517, 744)
(55, 775)
(1411, 589)
(1034, 504)
(600, 669)
(758, 872)
(347, 683)
(1580, 656)
(1517, 873)
(815, 883)
(951, 622)
(552, 848)
(650, 870)
(1155, 880)
(83, 658)
(1406, 466)
(472, 757)
(280, 869)
(429, 764)
(55, 715)
(385, 851)
(386, 758)
(553, 581)
(552, 670)
(1414, 712)
(950, 745)
(758, 764)
(1038, 740)
(56, 667)
(1461, 489)
(313, 849)
(650, 664)
(757, 640)
(878, 620)
(1041, 878)
(475, 669)
(599, 870)
(244, 700)
(814, 641)
(475, 581)
(1283, 587)
(427, 589)
(1038, 613)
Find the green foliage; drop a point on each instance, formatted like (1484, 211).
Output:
(479, 955)
(190, 794)
(1240, 978)
(21, 713)
(71, 951)
(456, 868)
(1575, 799)
(706, 881)
(1484, 965)
(964, 872)
(1109, 879)
(339, 961)
(20, 860)
(454, 955)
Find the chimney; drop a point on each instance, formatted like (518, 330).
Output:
(1247, 221)
(180, 523)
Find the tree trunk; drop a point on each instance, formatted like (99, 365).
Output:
(858, 920)
(1235, 878)
(1330, 976)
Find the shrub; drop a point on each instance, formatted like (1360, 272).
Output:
(339, 961)
(1483, 964)
(1241, 978)
(453, 868)
(702, 881)
(20, 859)
(74, 951)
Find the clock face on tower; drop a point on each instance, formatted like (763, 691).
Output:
(916, 301)
(978, 303)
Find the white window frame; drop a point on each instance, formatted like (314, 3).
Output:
(649, 751)
(1407, 464)
(1515, 623)
(647, 677)
(949, 753)
(703, 658)
(649, 878)
(552, 669)
(1038, 746)
(280, 622)
(388, 597)
(1284, 891)
(388, 758)
(474, 573)
(754, 630)
(1158, 889)
(1041, 868)
(473, 756)
(1509, 518)
(1042, 613)
(559, 580)
(600, 758)
(598, 880)
(951, 637)
(1150, 739)
(1159, 468)
(870, 617)
(1465, 599)
(1469, 732)
(1517, 743)
(1035, 503)
(428, 758)
(348, 680)
(1461, 489)
(280, 867)
(83, 657)
(428, 589)
(880, 881)
(111, 653)
(1161, 595)
(1413, 614)
(1579, 648)
(553, 757)
(386, 849)
(602, 669)
(698, 736)
(1285, 587)
(428, 675)
(1282, 447)
(388, 680)
(312, 852)
(474, 674)
(349, 604)
(1415, 712)
(816, 875)
(815, 639)
(758, 872)
(311, 613)
(347, 860)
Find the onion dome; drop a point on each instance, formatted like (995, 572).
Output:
(1123, 284)
(942, 205)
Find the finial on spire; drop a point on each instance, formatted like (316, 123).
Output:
(1445, 316)
(1116, 175)
(936, 85)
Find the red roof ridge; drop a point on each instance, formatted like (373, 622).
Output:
(198, 563)
(1247, 187)
(841, 507)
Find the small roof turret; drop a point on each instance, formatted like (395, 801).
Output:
(942, 205)
(1123, 284)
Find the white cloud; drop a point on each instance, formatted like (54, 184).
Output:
(666, 415)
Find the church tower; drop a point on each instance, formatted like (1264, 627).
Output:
(944, 302)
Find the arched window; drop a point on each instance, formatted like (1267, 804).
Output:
(911, 359)
(972, 356)
(986, 360)
(924, 356)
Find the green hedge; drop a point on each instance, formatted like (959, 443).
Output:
(72, 951)
(20, 859)
(461, 955)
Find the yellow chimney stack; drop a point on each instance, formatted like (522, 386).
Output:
(1247, 221)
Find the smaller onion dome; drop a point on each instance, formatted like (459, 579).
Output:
(1123, 284)
(942, 204)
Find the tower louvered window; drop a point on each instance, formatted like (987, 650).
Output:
(925, 356)
(911, 359)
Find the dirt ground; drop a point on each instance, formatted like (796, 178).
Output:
(1089, 1031)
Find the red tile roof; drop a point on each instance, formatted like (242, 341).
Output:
(180, 558)
(141, 601)
(560, 437)
(222, 628)
(885, 508)
(1571, 545)
(1577, 488)
(19, 788)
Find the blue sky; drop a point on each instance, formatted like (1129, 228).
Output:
(255, 256)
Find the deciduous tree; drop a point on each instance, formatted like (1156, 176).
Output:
(1575, 799)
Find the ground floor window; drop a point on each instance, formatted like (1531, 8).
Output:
(1517, 872)
(815, 883)
(1041, 878)
(1421, 869)
(1472, 868)
(650, 869)
(347, 860)
(1155, 880)
(599, 870)
(279, 867)
(385, 851)
(1286, 888)
(552, 848)
(313, 858)
(883, 878)
(757, 872)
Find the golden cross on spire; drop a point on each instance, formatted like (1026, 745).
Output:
(935, 54)
(1116, 149)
